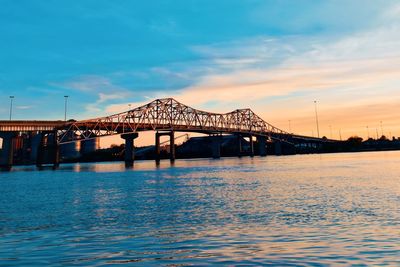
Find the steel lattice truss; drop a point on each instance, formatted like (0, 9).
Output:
(169, 114)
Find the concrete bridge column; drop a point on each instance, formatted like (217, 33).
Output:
(7, 152)
(172, 146)
(216, 146)
(171, 135)
(261, 140)
(48, 152)
(129, 147)
(55, 153)
(158, 147)
(35, 140)
(278, 148)
(40, 154)
(251, 146)
(239, 143)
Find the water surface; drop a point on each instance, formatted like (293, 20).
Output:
(309, 210)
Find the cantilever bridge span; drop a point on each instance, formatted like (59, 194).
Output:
(170, 115)
(165, 116)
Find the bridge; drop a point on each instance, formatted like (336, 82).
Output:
(164, 116)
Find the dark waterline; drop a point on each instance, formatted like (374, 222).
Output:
(310, 210)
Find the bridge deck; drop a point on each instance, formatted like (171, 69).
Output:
(29, 125)
(160, 114)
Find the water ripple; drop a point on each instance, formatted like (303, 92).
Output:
(313, 210)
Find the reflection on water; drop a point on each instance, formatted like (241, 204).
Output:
(335, 209)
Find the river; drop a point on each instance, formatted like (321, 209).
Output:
(308, 210)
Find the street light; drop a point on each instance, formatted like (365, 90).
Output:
(11, 104)
(65, 107)
(316, 117)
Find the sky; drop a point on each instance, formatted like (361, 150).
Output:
(274, 56)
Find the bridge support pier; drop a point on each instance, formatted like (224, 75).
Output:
(129, 148)
(278, 148)
(48, 151)
(7, 152)
(216, 146)
(56, 151)
(262, 148)
(171, 135)
(251, 146)
(239, 143)
(35, 141)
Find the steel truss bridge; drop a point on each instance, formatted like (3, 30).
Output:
(171, 115)
(161, 115)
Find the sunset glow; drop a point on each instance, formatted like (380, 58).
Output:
(275, 60)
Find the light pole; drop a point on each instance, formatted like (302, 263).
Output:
(290, 127)
(316, 117)
(381, 128)
(340, 134)
(11, 104)
(368, 131)
(65, 107)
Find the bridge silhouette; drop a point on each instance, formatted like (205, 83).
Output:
(164, 116)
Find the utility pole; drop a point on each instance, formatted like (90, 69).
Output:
(65, 107)
(11, 105)
(340, 134)
(316, 117)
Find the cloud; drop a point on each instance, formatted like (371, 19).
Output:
(351, 73)
(87, 83)
(280, 77)
(100, 105)
(23, 107)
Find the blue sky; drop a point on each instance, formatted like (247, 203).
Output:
(273, 56)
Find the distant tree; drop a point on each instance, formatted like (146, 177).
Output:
(324, 137)
(383, 138)
(355, 140)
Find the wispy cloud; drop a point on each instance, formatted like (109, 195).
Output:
(23, 107)
(280, 77)
(87, 83)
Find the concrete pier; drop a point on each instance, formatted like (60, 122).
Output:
(216, 146)
(48, 152)
(89, 146)
(239, 144)
(35, 140)
(129, 147)
(251, 146)
(171, 135)
(172, 146)
(262, 145)
(278, 148)
(7, 152)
